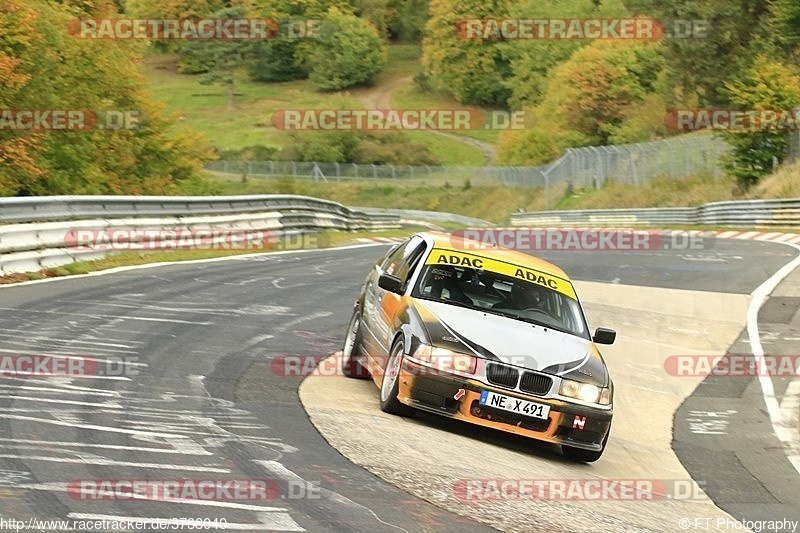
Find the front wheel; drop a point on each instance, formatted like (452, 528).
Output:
(390, 385)
(585, 456)
(351, 363)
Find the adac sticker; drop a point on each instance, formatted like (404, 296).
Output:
(450, 257)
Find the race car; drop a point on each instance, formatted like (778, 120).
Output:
(488, 335)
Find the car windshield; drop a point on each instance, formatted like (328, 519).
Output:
(500, 294)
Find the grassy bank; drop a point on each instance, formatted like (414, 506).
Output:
(490, 202)
(203, 108)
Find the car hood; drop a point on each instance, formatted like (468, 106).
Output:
(511, 341)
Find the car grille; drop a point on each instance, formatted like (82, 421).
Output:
(535, 383)
(502, 375)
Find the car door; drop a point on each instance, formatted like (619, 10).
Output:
(380, 305)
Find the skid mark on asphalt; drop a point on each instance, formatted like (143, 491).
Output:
(125, 428)
(278, 471)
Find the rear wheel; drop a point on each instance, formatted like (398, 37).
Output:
(351, 356)
(585, 456)
(390, 386)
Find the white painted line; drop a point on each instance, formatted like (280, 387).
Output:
(95, 460)
(97, 358)
(767, 387)
(106, 394)
(61, 402)
(192, 262)
(109, 429)
(68, 444)
(172, 320)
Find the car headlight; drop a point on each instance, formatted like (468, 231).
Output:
(447, 360)
(585, 392)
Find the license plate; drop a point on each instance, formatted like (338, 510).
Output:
(515, 405)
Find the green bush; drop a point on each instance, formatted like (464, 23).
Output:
(349, 53)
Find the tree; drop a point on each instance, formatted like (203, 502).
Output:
(220, 58)
(173, 9)
(42, 67)
(407, 20)
(376, 12)
(285, 59)
(471, 70)
(766, 85)
(349, 53)
(784, 24)
(17, 149)
(588, 99)
(736, 32)
(531, 60)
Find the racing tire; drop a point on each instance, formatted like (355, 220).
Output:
(585, 456)
(351, 354)
(390, 384)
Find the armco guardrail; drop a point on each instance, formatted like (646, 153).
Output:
(43, 232)
(747, 213)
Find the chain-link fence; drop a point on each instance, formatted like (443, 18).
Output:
(677, 157)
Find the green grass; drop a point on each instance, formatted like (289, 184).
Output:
(449, 151)
(658, 192)
(203, 108)
(493, 202)
(411, 97)
(404, 59)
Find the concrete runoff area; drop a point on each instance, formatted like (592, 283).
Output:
(427, 455)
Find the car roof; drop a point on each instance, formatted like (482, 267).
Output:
(460, 244)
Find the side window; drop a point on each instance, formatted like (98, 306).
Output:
(400, 262)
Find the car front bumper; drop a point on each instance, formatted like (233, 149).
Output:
(438, 392)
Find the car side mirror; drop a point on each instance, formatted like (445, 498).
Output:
(390, 283)
(604, 336)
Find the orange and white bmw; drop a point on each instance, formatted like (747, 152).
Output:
(488, 335)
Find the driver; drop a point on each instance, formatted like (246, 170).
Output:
(523, 296)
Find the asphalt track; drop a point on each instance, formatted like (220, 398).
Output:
(199, 398)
